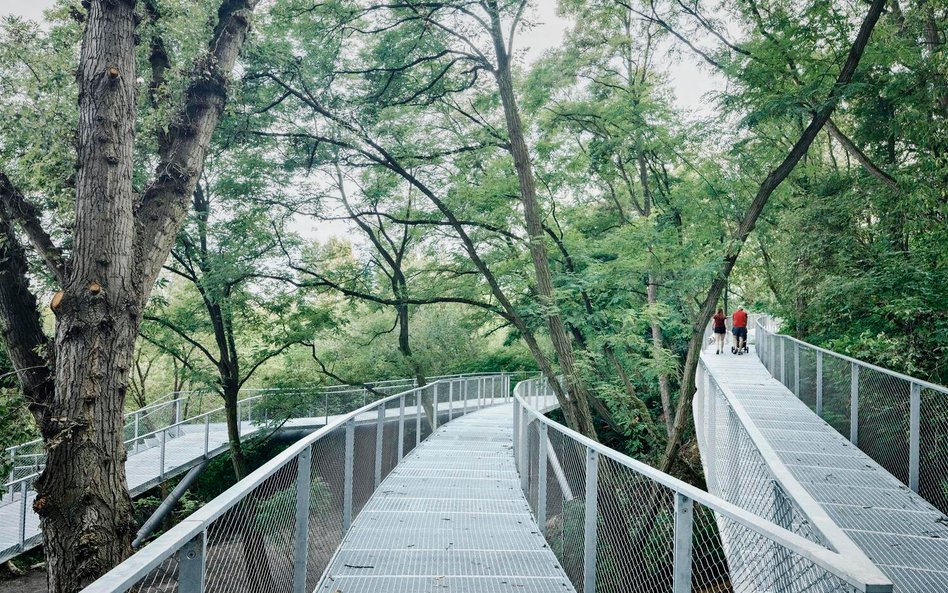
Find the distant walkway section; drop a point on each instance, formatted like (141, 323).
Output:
(450, 517)
(819, 484)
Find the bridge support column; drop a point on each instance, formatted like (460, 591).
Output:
(304, 464)
(541, 478)
(854, 405)
(191, 565)
(401, 428)
(915, 415)
(590, 534)
(347, 476)
(684, 520)
(819, 383)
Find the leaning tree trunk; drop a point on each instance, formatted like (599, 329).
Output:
(89, 529)
(534, 225)
(766, 189)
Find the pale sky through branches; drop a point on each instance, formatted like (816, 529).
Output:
(689, 79)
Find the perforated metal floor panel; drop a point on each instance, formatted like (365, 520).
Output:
(451, 518)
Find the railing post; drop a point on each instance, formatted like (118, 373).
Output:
(590, 538)
(524, 451)
(177, 415)
(379, 433)
(347, 476)
(419, 408)
(684, 521)
(783, 360)
(161, 456)
(819, 383)
(915, 416)
(463, 398)
(191, 565)
(207, 434)
(136, 431)
(450, 401)
(401, 428)
(516, 434)
(434, 407)
(796, 370)
(541, 478)
(854, 405)
(23, 493)
(304, 464)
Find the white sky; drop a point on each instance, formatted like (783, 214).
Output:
(690, 81)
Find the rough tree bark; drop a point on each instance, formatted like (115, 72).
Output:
(534, 225)
(767, 188)
(119, 247)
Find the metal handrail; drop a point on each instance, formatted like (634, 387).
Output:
(856, 570)
(193, 530)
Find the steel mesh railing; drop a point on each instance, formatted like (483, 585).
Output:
(901, 422)
(614, 522)
(277, 529)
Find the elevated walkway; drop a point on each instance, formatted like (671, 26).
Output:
(746, 418)
(450, 517)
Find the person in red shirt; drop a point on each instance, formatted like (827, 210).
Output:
(720, 328)
(739, 329)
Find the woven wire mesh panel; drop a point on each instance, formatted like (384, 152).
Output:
(807, 392)
(161, 579)
(326, 503)
(635, 542)
(933, 448)
(709, 568)
(786, 368)
(884, 420)
(390, 438)
(250, 547)
(741, 476)
(411, 410)
(757, 563)
(363, 465)
(837, 381)
(566, 504)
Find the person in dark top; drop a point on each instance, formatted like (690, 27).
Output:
(739, 329)
(720, 328)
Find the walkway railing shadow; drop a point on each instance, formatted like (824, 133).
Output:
(898, 420)
(612, 521)
(277, 529)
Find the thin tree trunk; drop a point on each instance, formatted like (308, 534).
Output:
(657, 349)
(534, 226)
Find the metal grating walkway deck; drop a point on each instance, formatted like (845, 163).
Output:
(900, 532)
(450, 517)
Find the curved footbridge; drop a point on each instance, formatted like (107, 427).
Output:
(466, 486)
(766, 450)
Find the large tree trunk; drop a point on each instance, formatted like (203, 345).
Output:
(579, 399)
(82, 495)
(657, 349)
